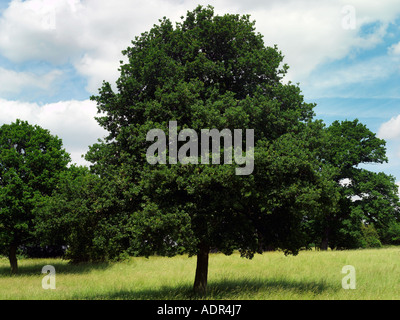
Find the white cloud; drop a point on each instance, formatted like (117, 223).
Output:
(390, 129)
(311, 33)
(96, 69)
(29, 32)
(14, 82)
(335, 80)
(72, 121)
(394, 50)
(91, 34)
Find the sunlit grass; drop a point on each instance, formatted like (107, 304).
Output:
(310, 275)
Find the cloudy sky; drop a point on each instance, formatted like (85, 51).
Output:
(54, 54)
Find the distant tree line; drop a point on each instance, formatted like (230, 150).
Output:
(308, 187)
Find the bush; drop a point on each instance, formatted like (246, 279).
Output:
(370, 236)
(392, 234)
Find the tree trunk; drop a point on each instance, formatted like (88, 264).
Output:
(200, 281)
(325, 240)
(12, 256)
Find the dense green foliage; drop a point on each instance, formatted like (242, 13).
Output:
(31, 160)
(209, 72)
(81, 214)
(365, 197)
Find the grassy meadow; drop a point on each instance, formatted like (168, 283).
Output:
(311, 275)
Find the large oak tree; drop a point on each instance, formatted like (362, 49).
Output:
(210, 72)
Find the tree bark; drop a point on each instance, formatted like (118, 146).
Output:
(12, 256)
(200, 281)
(325, 240)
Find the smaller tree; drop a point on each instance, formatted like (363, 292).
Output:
(83, 214)
(31, 160)
(365, 196)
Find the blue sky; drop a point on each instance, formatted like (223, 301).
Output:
(54, 54)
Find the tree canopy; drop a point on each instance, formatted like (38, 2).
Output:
(366, 197)
(30, 162)
(209, 72)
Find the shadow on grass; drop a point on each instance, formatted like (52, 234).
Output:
(35, 268)
(222, 289)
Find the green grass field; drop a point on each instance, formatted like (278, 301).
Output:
(310, 275)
